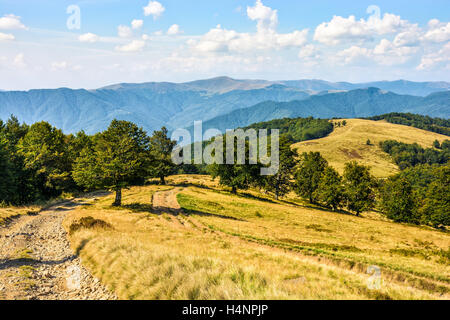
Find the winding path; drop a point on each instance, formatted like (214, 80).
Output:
(37, 263)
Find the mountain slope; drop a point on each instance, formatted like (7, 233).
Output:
(148, 105)
(175, 105)
(352, 104)
(348, 143)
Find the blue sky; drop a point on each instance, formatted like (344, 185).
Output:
(173, 40)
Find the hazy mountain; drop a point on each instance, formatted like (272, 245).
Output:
(351, 104)
(174, 105)
(150, 105)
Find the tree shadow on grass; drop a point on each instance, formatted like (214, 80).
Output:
(138, 207)
(207, 214)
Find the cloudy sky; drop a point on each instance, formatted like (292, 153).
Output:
(90, 44)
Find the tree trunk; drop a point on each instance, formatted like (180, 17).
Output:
(163, 181)
(276, 194)
(233, 190)
(118, 201)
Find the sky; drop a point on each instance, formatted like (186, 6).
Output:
(91, 44)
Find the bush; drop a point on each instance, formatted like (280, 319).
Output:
(89, 223)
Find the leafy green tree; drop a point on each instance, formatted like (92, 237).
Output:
(398, 200)
(436, 209)
(307, 178)
(116, 159)
(44, 152)
(280, 183)
(359, 187)
(237, 176)
(330, 191)
(437, 144)
(7, 180)
(161, 147)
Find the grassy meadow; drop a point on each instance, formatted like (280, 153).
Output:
(252, 247)
(348, 143)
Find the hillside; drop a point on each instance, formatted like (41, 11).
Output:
(352, 104)
(349, 143)
(209, 244)
(228, 103)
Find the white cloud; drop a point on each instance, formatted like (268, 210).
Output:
(154, 8)
(137, 24)
(388, 53)
(436, 59)
(174, 30)
(219, 39)
(308, 52)
(438, 32)
(349, 29)
(133, 46)
(408, 38)
(124, 31)
(59, 65)
(89, 37)
(11, 22)
(354, 54)
(6, 36)
(19, 61)
(266, 17)
(158, 33)
(145, 37)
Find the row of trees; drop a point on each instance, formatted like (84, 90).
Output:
(438, 125)
(409, 155)
(39, 162)
(309, 176)
(419, 195)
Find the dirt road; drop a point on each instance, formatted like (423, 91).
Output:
(37, 263)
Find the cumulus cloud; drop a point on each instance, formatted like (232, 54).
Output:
(266, 37)
(11, 22)
(437, 59)
(6, 36)
(124, 31)
(154, 8)
(308, 52)
(89, 37)
(266, 17)
(174, 30)
(137, 24)
(349, 29)
(438, 32)
(133, 46)
(388, 53)
(19, 61)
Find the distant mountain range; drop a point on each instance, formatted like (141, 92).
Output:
(222, 100)
(352, 104)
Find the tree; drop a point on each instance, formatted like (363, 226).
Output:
(236, 176)
(437, 144)
(44, 153)
(307, 177)
(7, 179)
(398, 200)
(280, 183)
(117, 157)
(25, 190)
(359, 184)
(436, 210)
(161, 147)
(330, 191)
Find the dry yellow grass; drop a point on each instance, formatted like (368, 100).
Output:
(12, 212)
(349, 143)
(275, 251)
